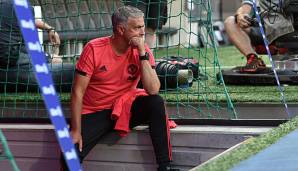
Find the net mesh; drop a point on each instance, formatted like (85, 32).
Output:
(184, 47)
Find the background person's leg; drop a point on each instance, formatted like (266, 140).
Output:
(157, 17)
(150, 37)
(155, 13)
(244, 39)
(62, 74)
(21, 78)
(238, 36)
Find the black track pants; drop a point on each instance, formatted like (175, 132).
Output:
(145, 110)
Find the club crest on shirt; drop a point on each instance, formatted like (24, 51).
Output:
(132, 70)
(102, 68)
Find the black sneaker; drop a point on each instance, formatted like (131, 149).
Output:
(254, 64)
(168, 168)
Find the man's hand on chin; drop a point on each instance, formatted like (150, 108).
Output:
(139, 43)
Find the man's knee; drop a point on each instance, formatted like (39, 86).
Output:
(156, 106)
(155, 101)
(229, 22)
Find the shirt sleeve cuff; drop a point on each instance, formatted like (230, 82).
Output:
(247, 2)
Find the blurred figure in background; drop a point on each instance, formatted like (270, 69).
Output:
(16, 70)
(156, 15)
(12, 48)
(244, 32)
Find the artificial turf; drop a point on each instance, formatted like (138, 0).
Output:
(250, 147)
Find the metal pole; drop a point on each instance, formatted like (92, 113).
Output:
(7, 152)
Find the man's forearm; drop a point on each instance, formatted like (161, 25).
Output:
(76, 107)
(42, 25)
(149, 77)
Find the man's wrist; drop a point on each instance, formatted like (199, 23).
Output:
(144, 57)
(236, 18)
(142, 51)
(50, 29)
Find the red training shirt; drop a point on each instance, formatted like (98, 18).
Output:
(110, 75)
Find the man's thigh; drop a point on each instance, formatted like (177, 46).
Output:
(94, 127)
(96, 124)
(144, 107)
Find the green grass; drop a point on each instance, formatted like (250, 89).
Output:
(228, 56)
(250, 147)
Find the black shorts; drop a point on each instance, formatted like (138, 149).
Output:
(255, 36)
(155, 11)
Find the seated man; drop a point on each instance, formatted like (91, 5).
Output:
(107, 74)
(243, 35)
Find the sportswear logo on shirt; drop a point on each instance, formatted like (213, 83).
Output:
(103, 69)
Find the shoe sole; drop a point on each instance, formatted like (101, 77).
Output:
(259, 69)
